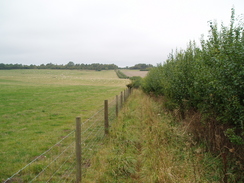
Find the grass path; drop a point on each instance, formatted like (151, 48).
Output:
(146, 145)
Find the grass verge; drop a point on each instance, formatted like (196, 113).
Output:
(146, 145)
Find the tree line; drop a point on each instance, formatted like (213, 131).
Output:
(141, 67)
(72, 65)
(69, 65)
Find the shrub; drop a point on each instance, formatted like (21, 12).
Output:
(135, 81)
(209, 78)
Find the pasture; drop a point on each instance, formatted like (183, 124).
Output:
(38, 108)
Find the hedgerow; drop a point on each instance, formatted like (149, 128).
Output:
(210, 78)
(121, 75)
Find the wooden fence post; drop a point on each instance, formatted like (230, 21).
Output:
(117, 106)
(126, 93)
(78, 149)
(124, 96)
(121, 99)
(106, 125)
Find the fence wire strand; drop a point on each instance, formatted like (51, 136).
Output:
(52, 162)
(42, 155)
(62, 164)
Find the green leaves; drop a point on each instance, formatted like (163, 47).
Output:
(231, 134)
(210, 78)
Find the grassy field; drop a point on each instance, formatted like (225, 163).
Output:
(38, 108)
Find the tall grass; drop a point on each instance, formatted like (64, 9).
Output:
(146, 145)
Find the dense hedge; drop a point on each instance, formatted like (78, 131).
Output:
(121, 75)
(208, 78)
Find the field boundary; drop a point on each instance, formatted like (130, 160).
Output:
(127, 74)
(68, 159)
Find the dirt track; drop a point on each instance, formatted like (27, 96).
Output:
(131, 73)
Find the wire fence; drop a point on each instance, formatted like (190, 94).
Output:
(60, 162)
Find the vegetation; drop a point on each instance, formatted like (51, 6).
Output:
(121, 75)
(146, 145)
(209, 80)
(135, 82)
(38, 108)
(70, 65)
(201, 86)
(142, 67)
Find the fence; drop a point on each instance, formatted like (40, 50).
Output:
(67, 160)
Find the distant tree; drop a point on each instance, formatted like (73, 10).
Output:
(42, 66)
(33, 66)
(49, 66)
(142, 67)
(69, 65)
(2, 66)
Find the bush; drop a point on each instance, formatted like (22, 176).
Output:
(209, 78)
(136, 81)
(152, 82)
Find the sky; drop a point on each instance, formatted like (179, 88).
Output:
(120, 32)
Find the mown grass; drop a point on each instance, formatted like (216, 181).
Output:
(146, 145)
(38, 108)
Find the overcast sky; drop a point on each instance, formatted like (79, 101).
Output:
(123, 32)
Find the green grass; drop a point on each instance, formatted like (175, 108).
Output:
(38, 108)
(146, 145)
